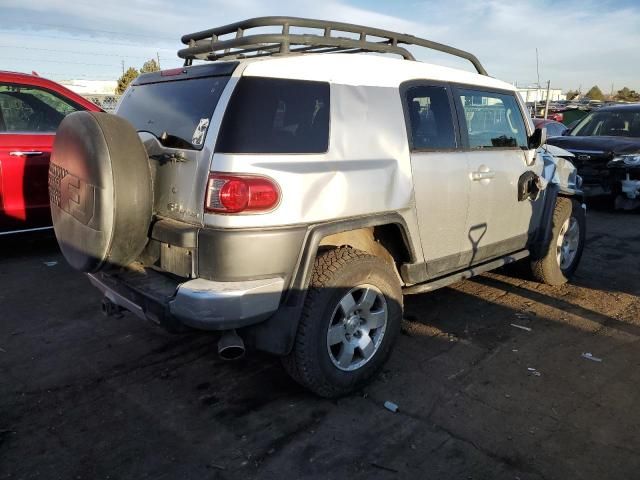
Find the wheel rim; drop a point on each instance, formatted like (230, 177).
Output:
(568, 241)
(357, 327)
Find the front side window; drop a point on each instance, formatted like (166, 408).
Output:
(30, 109)
(271, 115)
(611, 124)
(493, 120)
(430, 118)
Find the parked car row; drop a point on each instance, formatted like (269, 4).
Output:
(606, 146)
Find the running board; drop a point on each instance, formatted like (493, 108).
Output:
(465, 274)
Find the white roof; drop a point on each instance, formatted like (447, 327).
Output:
(362, 69)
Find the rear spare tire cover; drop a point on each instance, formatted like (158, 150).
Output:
(100, 191)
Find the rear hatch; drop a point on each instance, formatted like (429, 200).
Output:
(172, 112)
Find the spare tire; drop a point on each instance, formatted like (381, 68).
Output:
(100, 191)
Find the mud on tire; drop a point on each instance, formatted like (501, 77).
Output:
(348, 293)
(562, 255)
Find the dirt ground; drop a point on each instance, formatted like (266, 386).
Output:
(86, 397)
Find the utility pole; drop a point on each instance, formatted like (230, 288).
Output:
(158, 58)
(546, 107)
(122, 61)
(535, 99)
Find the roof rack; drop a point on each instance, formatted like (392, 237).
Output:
(207, 45)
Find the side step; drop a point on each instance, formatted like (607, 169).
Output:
(465, 274)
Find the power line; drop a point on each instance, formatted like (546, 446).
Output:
(93, 54)
(68, 76)
(69, 27)
(33, 60)
(84, 40)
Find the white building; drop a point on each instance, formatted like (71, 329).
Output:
(539, 95)
(91, 87)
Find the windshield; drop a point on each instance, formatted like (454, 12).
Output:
(177, 113)
(621, 123)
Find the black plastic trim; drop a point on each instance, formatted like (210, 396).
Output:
(277, 334)
(175, 233)
(545, 230)
(220, 69)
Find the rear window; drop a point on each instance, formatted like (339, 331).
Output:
(270, 115)
(178, 113)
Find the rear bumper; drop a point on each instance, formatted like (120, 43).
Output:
(198, 303)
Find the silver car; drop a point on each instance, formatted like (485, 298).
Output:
(288, 191)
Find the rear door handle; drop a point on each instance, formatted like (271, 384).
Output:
(477, 176)
(19, 153)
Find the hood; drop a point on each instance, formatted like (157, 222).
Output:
(617, 145)
(557, 151)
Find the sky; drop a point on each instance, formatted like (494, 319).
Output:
(580, 42)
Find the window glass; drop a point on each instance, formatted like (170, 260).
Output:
(493, 120)
(179, 112)
(430, 119)
(621, 123)
(270, 115)
(31, 109)
(555, 129)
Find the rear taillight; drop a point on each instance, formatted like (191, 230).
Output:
(240, 194)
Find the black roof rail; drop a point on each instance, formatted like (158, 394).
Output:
(207, 45)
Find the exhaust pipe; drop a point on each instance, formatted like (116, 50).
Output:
(230, 346)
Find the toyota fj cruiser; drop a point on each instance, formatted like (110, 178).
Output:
(289, 190)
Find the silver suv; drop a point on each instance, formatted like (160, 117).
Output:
(289, 190)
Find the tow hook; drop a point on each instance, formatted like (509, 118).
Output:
(110, 309)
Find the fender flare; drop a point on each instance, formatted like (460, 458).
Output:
(277, 334)
(543, 234)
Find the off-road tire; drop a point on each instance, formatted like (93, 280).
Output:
(335, 272)
(547, 269)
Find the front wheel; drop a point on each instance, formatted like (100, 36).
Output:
(351, 319)
(562, 254)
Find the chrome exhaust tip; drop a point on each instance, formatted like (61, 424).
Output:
(230, 346)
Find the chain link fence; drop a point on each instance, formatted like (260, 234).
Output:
(107, 102)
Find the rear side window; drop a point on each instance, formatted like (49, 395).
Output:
(270, 115)
(430, 118)
(493, 120)
(177, 113)
(31, 109)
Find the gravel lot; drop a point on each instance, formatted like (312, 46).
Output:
(85, 397)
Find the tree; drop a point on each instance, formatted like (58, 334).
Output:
(627, 95)
(150, 66)
(126, 78)
(571, 94)
(595, 93)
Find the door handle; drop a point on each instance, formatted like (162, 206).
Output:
(477, 176)
(19, 153)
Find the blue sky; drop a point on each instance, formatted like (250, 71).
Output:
(580, 43)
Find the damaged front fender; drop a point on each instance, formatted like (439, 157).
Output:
(559, 170)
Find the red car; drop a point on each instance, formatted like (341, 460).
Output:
(30, 110)
(554, 128)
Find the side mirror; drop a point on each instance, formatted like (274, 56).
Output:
(537, 138)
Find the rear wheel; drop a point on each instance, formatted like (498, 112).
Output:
(562, 254)
(351, 319)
